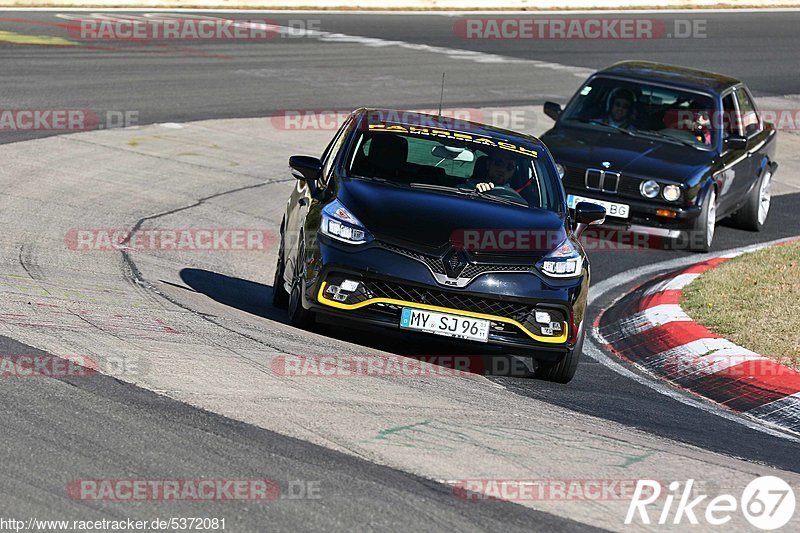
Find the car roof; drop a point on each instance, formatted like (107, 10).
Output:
(684, 77)
(414, 118)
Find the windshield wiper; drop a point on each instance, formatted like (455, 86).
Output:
(467, 192)
(434, 187)
(603, 123)
(653, 133)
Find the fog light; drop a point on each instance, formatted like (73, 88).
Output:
(339, 297)
(332, 289)
(649, 189)
(349, 285)
(543, 317)
(671, 193)
(666, 213)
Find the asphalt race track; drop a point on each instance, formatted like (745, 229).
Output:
(197, 396)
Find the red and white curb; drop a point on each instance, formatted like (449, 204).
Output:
(649, 328)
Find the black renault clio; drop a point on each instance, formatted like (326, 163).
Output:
(445, 227)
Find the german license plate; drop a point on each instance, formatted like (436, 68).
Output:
(612, 209)
(460, 327)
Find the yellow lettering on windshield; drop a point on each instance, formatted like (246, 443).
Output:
(456, 135)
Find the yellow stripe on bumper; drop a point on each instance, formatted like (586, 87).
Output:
(349, 307)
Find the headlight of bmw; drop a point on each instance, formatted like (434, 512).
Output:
(671, 193)
(340, 224)
(563, 262)
(649, 188)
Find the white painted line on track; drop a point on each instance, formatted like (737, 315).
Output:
(449, 13)
(678, 282)
(645, 320)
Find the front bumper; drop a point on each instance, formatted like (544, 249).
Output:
(389, 281)
(643, 214)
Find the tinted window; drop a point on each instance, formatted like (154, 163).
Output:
(639, 108)
(329, 156)
(730, 122)
(450, 163)
(749, 116)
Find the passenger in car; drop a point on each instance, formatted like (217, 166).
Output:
(620, 112)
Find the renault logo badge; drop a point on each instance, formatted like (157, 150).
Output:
(454, 262)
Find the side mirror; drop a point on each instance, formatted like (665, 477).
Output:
(307, 168)
(737, 142)
(552, 110)
(588, 214)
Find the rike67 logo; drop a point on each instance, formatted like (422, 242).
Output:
(767, 503)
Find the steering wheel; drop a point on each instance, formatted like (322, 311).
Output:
(507, 192)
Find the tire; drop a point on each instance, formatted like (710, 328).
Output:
(564, 370)
(299, 316)
(753, 214)
(702, 235)
(280, 298)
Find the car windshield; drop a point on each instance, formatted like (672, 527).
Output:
(450, 162)
(635, 108)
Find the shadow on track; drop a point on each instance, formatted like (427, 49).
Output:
(247, 296)
(255, 298)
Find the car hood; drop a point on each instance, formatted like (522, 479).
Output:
(588, 148)
(432, 219)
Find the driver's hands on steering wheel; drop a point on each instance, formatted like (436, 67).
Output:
(484, 187)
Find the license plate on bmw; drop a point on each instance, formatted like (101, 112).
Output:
(460, 327)
(612, 209)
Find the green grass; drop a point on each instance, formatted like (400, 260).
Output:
(754, 301)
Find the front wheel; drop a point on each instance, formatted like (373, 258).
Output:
(753, 214)
(299, 316)
(702, 236)
(564, 370)
(280, 298)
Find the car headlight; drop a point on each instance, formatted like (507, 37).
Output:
(563, 262)
(649, 189)
(340, 224)
(561, 171)
(671, 193)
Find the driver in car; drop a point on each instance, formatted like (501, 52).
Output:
(500, 168)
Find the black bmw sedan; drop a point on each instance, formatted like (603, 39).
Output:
(437, 226)
(667, 150)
